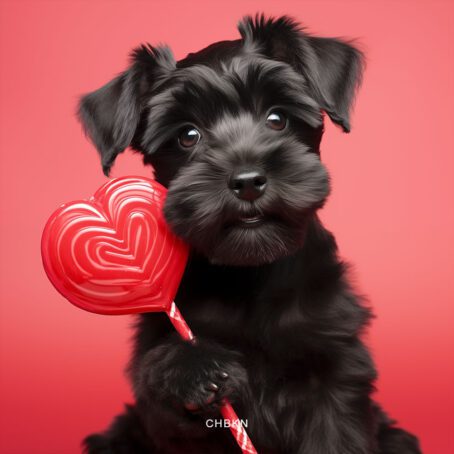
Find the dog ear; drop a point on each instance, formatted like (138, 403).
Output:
(331, 67)
(111, 114)
(338, 75)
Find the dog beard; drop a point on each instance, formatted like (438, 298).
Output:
(238, 245)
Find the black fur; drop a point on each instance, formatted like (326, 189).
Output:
(278, 325)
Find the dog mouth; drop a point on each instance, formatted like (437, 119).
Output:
(251, 221)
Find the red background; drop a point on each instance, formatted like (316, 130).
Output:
(61, 368)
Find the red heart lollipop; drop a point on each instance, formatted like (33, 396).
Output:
(114, 254)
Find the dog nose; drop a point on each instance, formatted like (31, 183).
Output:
(248, 184)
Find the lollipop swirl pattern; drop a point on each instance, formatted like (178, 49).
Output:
(114, 254)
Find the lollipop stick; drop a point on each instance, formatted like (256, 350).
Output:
(179, 323)
(227, 411)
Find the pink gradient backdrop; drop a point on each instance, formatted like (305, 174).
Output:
(61, 369)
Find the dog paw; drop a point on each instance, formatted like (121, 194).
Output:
(196, 377)
(97, 444)
(210, 385)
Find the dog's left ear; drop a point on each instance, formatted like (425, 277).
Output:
(331, 67)
(111, 114)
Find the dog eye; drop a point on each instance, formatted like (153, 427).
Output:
(276, 120)
(189, 137)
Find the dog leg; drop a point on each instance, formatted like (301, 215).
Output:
(331, 430)
(338, 415)
(179, 386)
(393, 440)
(124, 436)
(188, 377)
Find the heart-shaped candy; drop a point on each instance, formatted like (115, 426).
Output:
(114, 253)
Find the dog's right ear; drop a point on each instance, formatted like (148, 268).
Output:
(111, 114)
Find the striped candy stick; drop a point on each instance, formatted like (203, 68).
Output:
(227, 411)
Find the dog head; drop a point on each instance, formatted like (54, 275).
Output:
(233, 131)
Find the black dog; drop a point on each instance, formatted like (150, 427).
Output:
(234, 131)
